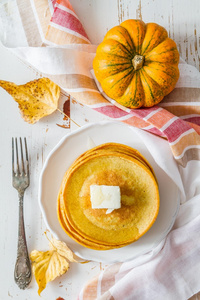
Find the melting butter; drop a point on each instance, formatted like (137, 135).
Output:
(105, 196)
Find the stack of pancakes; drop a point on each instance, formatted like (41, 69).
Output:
(109, 164)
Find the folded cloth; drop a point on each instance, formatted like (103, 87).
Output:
(49, 36)
(170, 271)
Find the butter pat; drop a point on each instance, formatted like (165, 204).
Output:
(105, 196)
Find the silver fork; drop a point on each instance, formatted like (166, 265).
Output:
(20, 181)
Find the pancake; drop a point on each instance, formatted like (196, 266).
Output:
(116, 147)
(77, 237)
(115, 165)
(67, 227)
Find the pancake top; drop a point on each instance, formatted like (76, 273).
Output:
(139, 194)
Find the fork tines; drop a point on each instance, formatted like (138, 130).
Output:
(16, 169)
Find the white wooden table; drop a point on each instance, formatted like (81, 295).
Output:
(181, 19)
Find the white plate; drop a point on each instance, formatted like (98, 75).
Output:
(61, 158)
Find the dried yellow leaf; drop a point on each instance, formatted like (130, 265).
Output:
(50, 264)
(36, 99)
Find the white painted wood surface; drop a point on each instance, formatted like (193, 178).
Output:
(181, 19)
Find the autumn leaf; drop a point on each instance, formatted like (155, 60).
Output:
(50, 264)
(36, 99)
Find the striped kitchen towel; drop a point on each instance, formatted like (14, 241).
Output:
(48, 35)
(176, 118)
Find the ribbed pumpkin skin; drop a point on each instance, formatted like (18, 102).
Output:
(114, 64)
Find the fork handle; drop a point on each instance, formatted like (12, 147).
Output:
(22, 274)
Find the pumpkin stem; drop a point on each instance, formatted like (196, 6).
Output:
(138, 61)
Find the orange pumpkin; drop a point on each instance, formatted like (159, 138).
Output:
(137, 64)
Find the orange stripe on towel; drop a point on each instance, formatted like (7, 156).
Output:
(188, 140)
(60, 37)
(183, 110)
(137, 122)
(160, 118)
(66, 4)
(90, 290)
